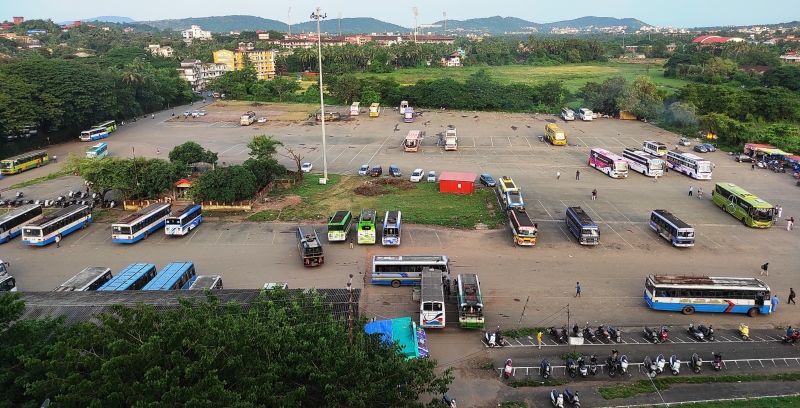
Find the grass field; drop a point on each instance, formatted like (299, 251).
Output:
(420, 203)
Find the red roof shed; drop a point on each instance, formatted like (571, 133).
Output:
(455, 182)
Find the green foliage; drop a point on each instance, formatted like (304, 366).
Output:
(263, 147)
(682, 115)
(787, 76)
(227, 184)
(664, 383)
(642, 98)
(523, 331)
(603, 97)
(265, 216)
(264, 170)
(191, 152)
(536, 383)
(136, 179)
(285, 350)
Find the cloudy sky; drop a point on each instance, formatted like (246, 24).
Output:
(676, 13)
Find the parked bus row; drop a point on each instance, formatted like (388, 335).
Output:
(340, 224)
(98, 131)
(649, 162)
(141, 276)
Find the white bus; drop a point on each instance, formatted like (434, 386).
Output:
(90, 278)
(585, 114)
(689, 294)
(672, 228)
(655, 148)
(391, 228)
(470, 302)
(11, 223)
(45, 230)
(689, 164)
(184, 220)
(97, 151)
(94, 134)
(431, 302)
(399, 270)
(609, 163)
(355, 108)
(141, 223)
(644, 163)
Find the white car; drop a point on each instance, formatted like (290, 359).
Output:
(684, 142)
(306, 167)
(417, 175)
(262, 120)
(195, 113)
(363, 170)
(432, 176)
(202, 112)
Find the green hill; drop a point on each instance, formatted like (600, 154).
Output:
(226, 24)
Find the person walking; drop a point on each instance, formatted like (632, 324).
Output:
(791, 296)
(775, 303)
(700, 193)
(656, 179)
(780, 211)
(775, 215)
(752, 166)
(351, 242)
(58, 241)
(539, 339)
(558, 175)
(690, 191)
(577, 289)
(577, 174)
(765, 269)
(790, 224)
(594, 194)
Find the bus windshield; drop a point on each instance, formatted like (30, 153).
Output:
(761, 214)
(685, 233)
(6, 164)
(590, 231)
(620, 166)
(704, 167)
(657, 164)
(121, 230)
(33, 232)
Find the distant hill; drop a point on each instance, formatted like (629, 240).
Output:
(593, 21)
(110, 19)
(226, 24)
(499, 25)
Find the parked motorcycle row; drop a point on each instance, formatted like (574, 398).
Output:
(62, 201)
(558, 398)
(603, 334)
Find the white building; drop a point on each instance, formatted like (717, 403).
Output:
(157, 49)
(195, 32)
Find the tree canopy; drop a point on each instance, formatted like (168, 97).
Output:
(191, 152)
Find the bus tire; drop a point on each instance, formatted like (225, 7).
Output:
(145, 235)
(753, 312)
(85, 224)
(395, 283)
(688, 310)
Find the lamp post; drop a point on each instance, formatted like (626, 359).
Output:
(317, 16)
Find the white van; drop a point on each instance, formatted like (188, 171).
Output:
(585, 114)
(567, 114)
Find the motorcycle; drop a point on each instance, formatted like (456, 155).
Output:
(650, 335)
(660, 362)
(546, 369)
(588, 333)
(498, 337)
(603, 333)
(593, 364)
(582, 367)
(708, 332)
(19, 194)
(664, 333)
(449, 402)
(695, 332)
(649, 366)
(572, 398)
(576, 331)
(490, 339)
(744, 331)
(794, 338)
(557, 399)
(717, 363)
(555, 333)
(697, 363)
(507, 369)
(611, 365)
(564, 334)
(573, 369)
(674, 365)
(615, 334)
(623, 364)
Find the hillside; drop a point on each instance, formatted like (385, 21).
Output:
(499, 25)
(226, 24)
(593, 21)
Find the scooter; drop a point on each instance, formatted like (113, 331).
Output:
(557, 399)
(615, 334)
(697, 363)
(556, 334)
(611, 364)
(576, 331)
(582, 367)
(571, 367)
(588, 333)
(663, 334)
(498, 337)
(450, 402)
(603, 333)
(650, 335)
(649, 366)
(490, 338)
(674, 365)
(564, 334)
(660, 362)
(744, 331)
(695, 332)
(593, 364)
(546, 369)
(507, 369)
(572, 398)
(717, 363)
(708, 332)
(19, 194)
(623, 364)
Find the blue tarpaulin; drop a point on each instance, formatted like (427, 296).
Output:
(412, 339)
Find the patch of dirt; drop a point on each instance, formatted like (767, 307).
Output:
(378, 187)
(369, 189)
(277, 204)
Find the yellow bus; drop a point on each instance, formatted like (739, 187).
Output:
(554, 135)
(374, 110)
(22, 162)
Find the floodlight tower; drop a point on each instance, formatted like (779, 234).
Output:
(444, 14)
(340, 24)
(416, 14)
(289, 15)
(317, 16)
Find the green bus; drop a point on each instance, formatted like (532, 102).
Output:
(366, 227)
(109, 125)
(751, 210)
(339, 226)
(25, 161)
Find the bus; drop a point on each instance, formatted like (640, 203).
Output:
(399, 270)
(355, 108)
(210, 282)
(133, 277)
(609, 163)
(643, 163)
(391, 228)
(582, 226)
(374, 110)
(749, 209)
(93, 134)
(45, 230)
(470, 302)
(22, 162)
(672, 228)
(309, 246)
(174, 276)
(689, 294)
(247, 119)
(431, 302)
(413, 140)
(110, 126)
(408, 117)
(655, 148)
(7, 284)
(366, 227)
(97, 151)
(585, 114)
(554, 135)
(523, 228)
(689, 164)
(184, 220)
(339, 226)
(11, 223)
(506, 184)
(140, 224)
(91, 278)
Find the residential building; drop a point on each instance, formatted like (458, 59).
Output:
(213, 70)
(224, 57)
(195, 32)
(263, 61)
(192, 71)
(19, 20)
(165, 51)
(791, 57)
(452, 60)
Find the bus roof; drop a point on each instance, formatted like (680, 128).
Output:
(339, 217)
(143, 212)
(24, 155)
(84, 277)
(205, 282)
(583, 218)
(50, 218)
(392, 217)
(168, 275)
(706, 281)
(507, 184)
(409, 258)
(679, 223)
(750, 198)
(127, 276)
(367, 215)
(184, 210)
(432, 288)
(472, 289)
(309, 235)
(17, 211)
(414, 134)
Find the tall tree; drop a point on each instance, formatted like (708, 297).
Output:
(191, 152)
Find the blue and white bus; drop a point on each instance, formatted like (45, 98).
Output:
(97, 151)
(45, 230)
(184, 220)
(140, 224)
(90, 278)
(94, 134)
(391, 228)
(399, 270)
(176, 275)
(210, 282)
(11, 223)
(689, 294)
(133, 277)
(582, 226)
(672, 228)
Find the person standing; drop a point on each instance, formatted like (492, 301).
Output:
(58, 241)
(690, 191)
(765, 269)
(351, 242)
(752, 166)
(780, 211)
(656, 179)
(790, 224)
(594, 194)
(577, 289)
(558, 175)
(700, 192)
(791, 296)
(577, 174)
(539, 339)
(775, 303)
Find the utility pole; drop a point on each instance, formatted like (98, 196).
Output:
(350, 310)
(290, 21)
(444, 14)
(416, 14)
(340, 24)
(523, 310)
(318, 16)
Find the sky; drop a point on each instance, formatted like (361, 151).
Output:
(675, 13)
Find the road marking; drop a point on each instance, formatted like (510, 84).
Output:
(359, 152)
(229, 149)
(609, 226)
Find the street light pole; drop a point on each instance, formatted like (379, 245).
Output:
(317, 16)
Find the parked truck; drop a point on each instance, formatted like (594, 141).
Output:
(450, 140)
